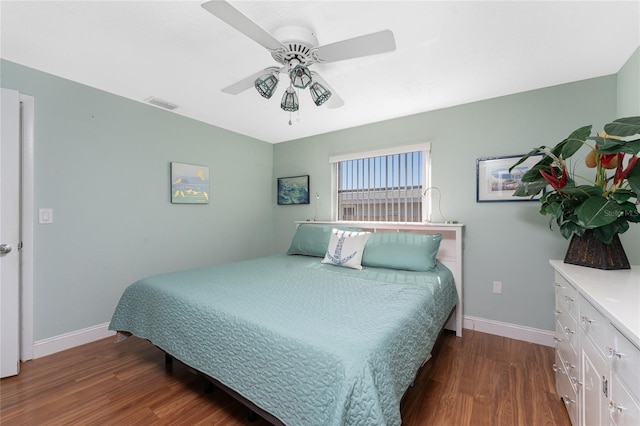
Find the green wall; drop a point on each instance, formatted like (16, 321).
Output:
(629, 87)
(102, 164)
(628, 105)
(508, 242)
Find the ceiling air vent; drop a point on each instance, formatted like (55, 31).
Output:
(161, 103)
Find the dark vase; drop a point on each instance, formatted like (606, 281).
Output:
(588, 250)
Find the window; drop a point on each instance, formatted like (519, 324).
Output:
(382, 186)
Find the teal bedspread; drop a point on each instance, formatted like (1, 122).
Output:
(310, 343)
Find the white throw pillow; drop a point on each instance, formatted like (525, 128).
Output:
(346, 248)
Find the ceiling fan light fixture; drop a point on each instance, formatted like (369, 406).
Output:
(266, 85)
(319, 93)
(300, 76)
(289, 100)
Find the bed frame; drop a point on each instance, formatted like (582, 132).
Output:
(450, 254)
(254, 410)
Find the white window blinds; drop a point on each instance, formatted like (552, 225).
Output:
(382, 186)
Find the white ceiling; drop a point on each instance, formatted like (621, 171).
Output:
(448, 53)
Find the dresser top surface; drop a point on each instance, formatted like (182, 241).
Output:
(615, 293)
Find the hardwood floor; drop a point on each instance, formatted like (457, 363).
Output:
(479, 379)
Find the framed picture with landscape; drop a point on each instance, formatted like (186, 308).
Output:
(494, 182)
(293, 190)
(189, 184)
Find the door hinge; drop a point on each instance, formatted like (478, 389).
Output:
(20, 245)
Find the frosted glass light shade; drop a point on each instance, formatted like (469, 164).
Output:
(300, 76)
(266, 85)
(289, 100)
(319, 93)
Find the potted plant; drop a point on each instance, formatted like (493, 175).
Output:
(592, 211)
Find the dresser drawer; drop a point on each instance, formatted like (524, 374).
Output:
(567, 353)
(565, 390)
(625, 362)
(594, 325)
(567, 331)
(623, 408)
(566, 295)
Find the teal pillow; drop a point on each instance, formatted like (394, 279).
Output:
(313, 240)
(402, 250)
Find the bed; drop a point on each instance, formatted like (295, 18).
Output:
(302, 339)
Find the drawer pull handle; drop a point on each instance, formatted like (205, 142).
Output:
(556, 368)
(557, 340)
(567, 401)
(575, 381)
(613, 407)
(568, 330)
(586, 320)
(569, 299)
(557, 285)
(558, 312)
(611, 353)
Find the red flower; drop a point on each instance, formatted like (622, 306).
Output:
(622, 174)
(553, 179)
(609, 161)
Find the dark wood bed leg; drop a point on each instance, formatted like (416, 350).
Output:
(252, 417)
(168, 362)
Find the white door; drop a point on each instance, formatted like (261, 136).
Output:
(9, 233)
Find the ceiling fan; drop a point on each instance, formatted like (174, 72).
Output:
(296, 49)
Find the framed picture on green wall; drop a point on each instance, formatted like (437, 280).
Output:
(189, 184)
(293, 190)
(494, 182)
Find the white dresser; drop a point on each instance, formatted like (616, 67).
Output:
(598, 344)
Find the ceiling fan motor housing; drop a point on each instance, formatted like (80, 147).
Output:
(298, 43)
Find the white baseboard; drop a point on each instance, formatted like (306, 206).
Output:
(70, 340)
(512, 331)
(87, 335)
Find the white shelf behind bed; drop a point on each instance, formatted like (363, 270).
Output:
(450, 253)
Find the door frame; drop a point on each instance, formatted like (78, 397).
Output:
(27, 226)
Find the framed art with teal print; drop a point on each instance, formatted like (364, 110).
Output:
(293, 190)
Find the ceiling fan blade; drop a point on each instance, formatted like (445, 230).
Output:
(232, 16)
(334, 101)
(247, 82)
(370, 44)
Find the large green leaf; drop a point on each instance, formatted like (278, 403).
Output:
(605, 233)
(597, 211)
(569, 228)
(628, 126)
(612, 146)
(534, 151)
(622, 195)
(529, 189)
(554, 209)
(629, 212)
(533, 174)
(583, 191)
(575, 141)
(634, 179)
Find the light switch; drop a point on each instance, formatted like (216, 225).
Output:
(45, 216)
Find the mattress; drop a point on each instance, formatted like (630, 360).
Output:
(310, 343)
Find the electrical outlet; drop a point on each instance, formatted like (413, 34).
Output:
(497, 287)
